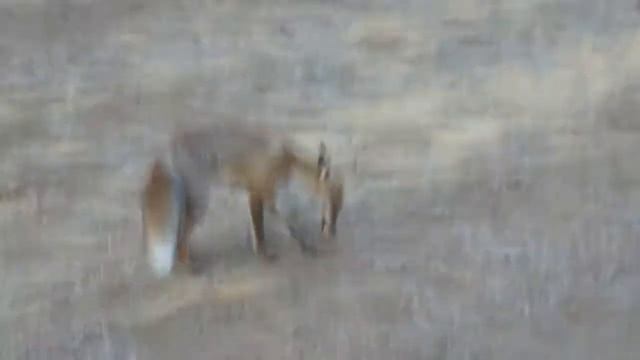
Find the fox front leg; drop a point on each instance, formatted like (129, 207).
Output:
(256, 209)
(270, 204)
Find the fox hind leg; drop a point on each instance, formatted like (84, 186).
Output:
(186, 228)
(194, 194)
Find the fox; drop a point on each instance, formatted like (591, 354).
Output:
(255, 159)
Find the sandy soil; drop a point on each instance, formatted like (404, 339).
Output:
(490, 150)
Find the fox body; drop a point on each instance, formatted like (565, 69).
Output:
(175, 197)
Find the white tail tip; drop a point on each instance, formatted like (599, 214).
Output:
(161, 257)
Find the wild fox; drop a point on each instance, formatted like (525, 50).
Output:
(175, 197)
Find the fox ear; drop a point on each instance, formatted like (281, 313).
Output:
(323, 162)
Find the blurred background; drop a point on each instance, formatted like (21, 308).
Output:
(490, 150)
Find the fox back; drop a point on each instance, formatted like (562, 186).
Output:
(251, 158)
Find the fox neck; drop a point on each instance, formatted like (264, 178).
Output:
(306, 169)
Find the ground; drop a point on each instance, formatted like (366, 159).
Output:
(489, 150)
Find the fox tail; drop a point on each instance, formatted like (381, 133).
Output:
(163, 212)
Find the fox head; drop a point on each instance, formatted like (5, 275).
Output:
(331, 190)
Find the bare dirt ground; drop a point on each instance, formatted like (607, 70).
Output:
(490, 150)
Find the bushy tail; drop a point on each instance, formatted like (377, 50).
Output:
(163, 212)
